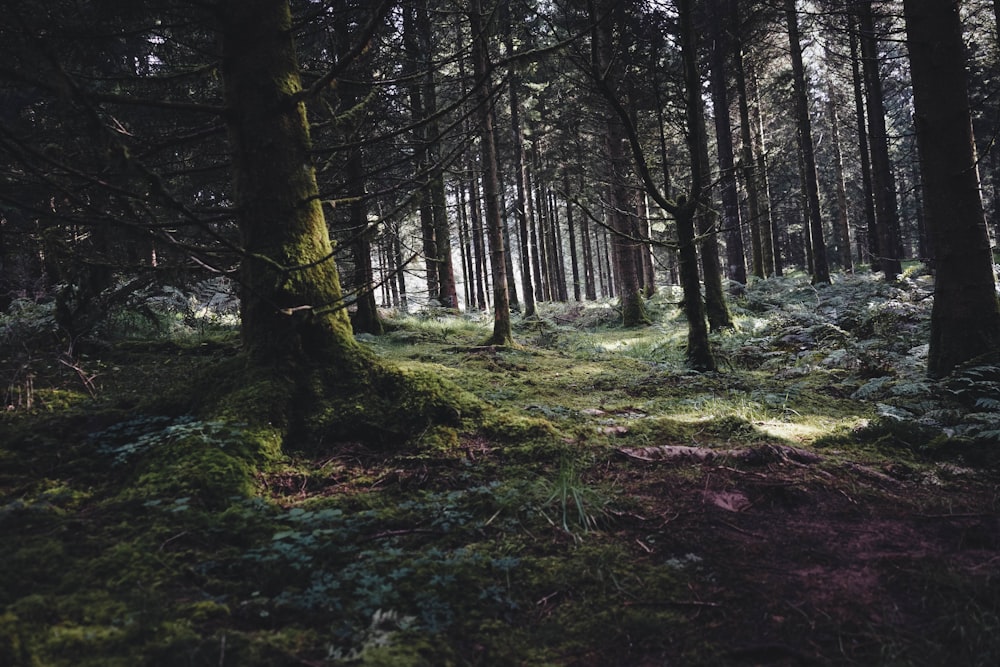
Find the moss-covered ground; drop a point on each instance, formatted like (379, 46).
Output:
(816, 502)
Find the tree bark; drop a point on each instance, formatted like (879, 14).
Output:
(571, 228)
(715, 298)
(720, 31)
(615, 146)
(965, 320)
(366, 317)
(292, 306)
(843, 224)
(517, 143)
(868, 252)
(752, 166)
(883, 180)
(820, 270)
(502, 334)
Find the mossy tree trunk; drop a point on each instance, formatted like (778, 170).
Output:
(292, 308)
(965, 320)
(699, 352)
(306, 371)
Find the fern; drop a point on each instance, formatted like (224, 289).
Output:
(988, 403)
(872, 388)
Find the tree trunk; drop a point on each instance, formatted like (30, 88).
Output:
(870, 248)
(573, 256)
(417, 51)
(699, 352)
(820, 271)
(465, 243)
(965, 320)
(399, 264)
(366, 317)
(532, 216)
(589, 271)
(843, 225)
(771, 237)
(747, 168)
(559, 253)
(607, 67)
(442, 287)
(502, 334)
(508, 259)
(883, 180)
(715, 299)
(292, 307)
(517, 143)
(720, 30)
(478, 250)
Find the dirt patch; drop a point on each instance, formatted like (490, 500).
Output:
(809, 565)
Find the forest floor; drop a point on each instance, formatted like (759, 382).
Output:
(816, 502)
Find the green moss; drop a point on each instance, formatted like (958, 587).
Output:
(13, 651)
(210, 472)
(407, 650)
(385, 407)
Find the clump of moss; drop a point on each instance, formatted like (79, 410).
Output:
(385, 407)
(885, 434)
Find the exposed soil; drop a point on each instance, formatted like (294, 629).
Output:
(813, 565)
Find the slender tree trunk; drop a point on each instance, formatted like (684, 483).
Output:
(716, 308)
(536, 265)
(843, 224)
(399, 264)
(515, 305)
(589, 282)
(699, 352)
(443, 288)
(719, 31)
(645, 248)
(760, 233)
(502, 334)
(705, 218)
(820, 271)
(517, 143)
(610, 283)
(366, 317)
(570, 227)
(542, 224)
(883, 180)
(803, 214)
(416, 49)
(870, 252)
(622, 247)
(770, 233)
(558, 254)
(465, 241)
(965, 320)
(479, 252)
